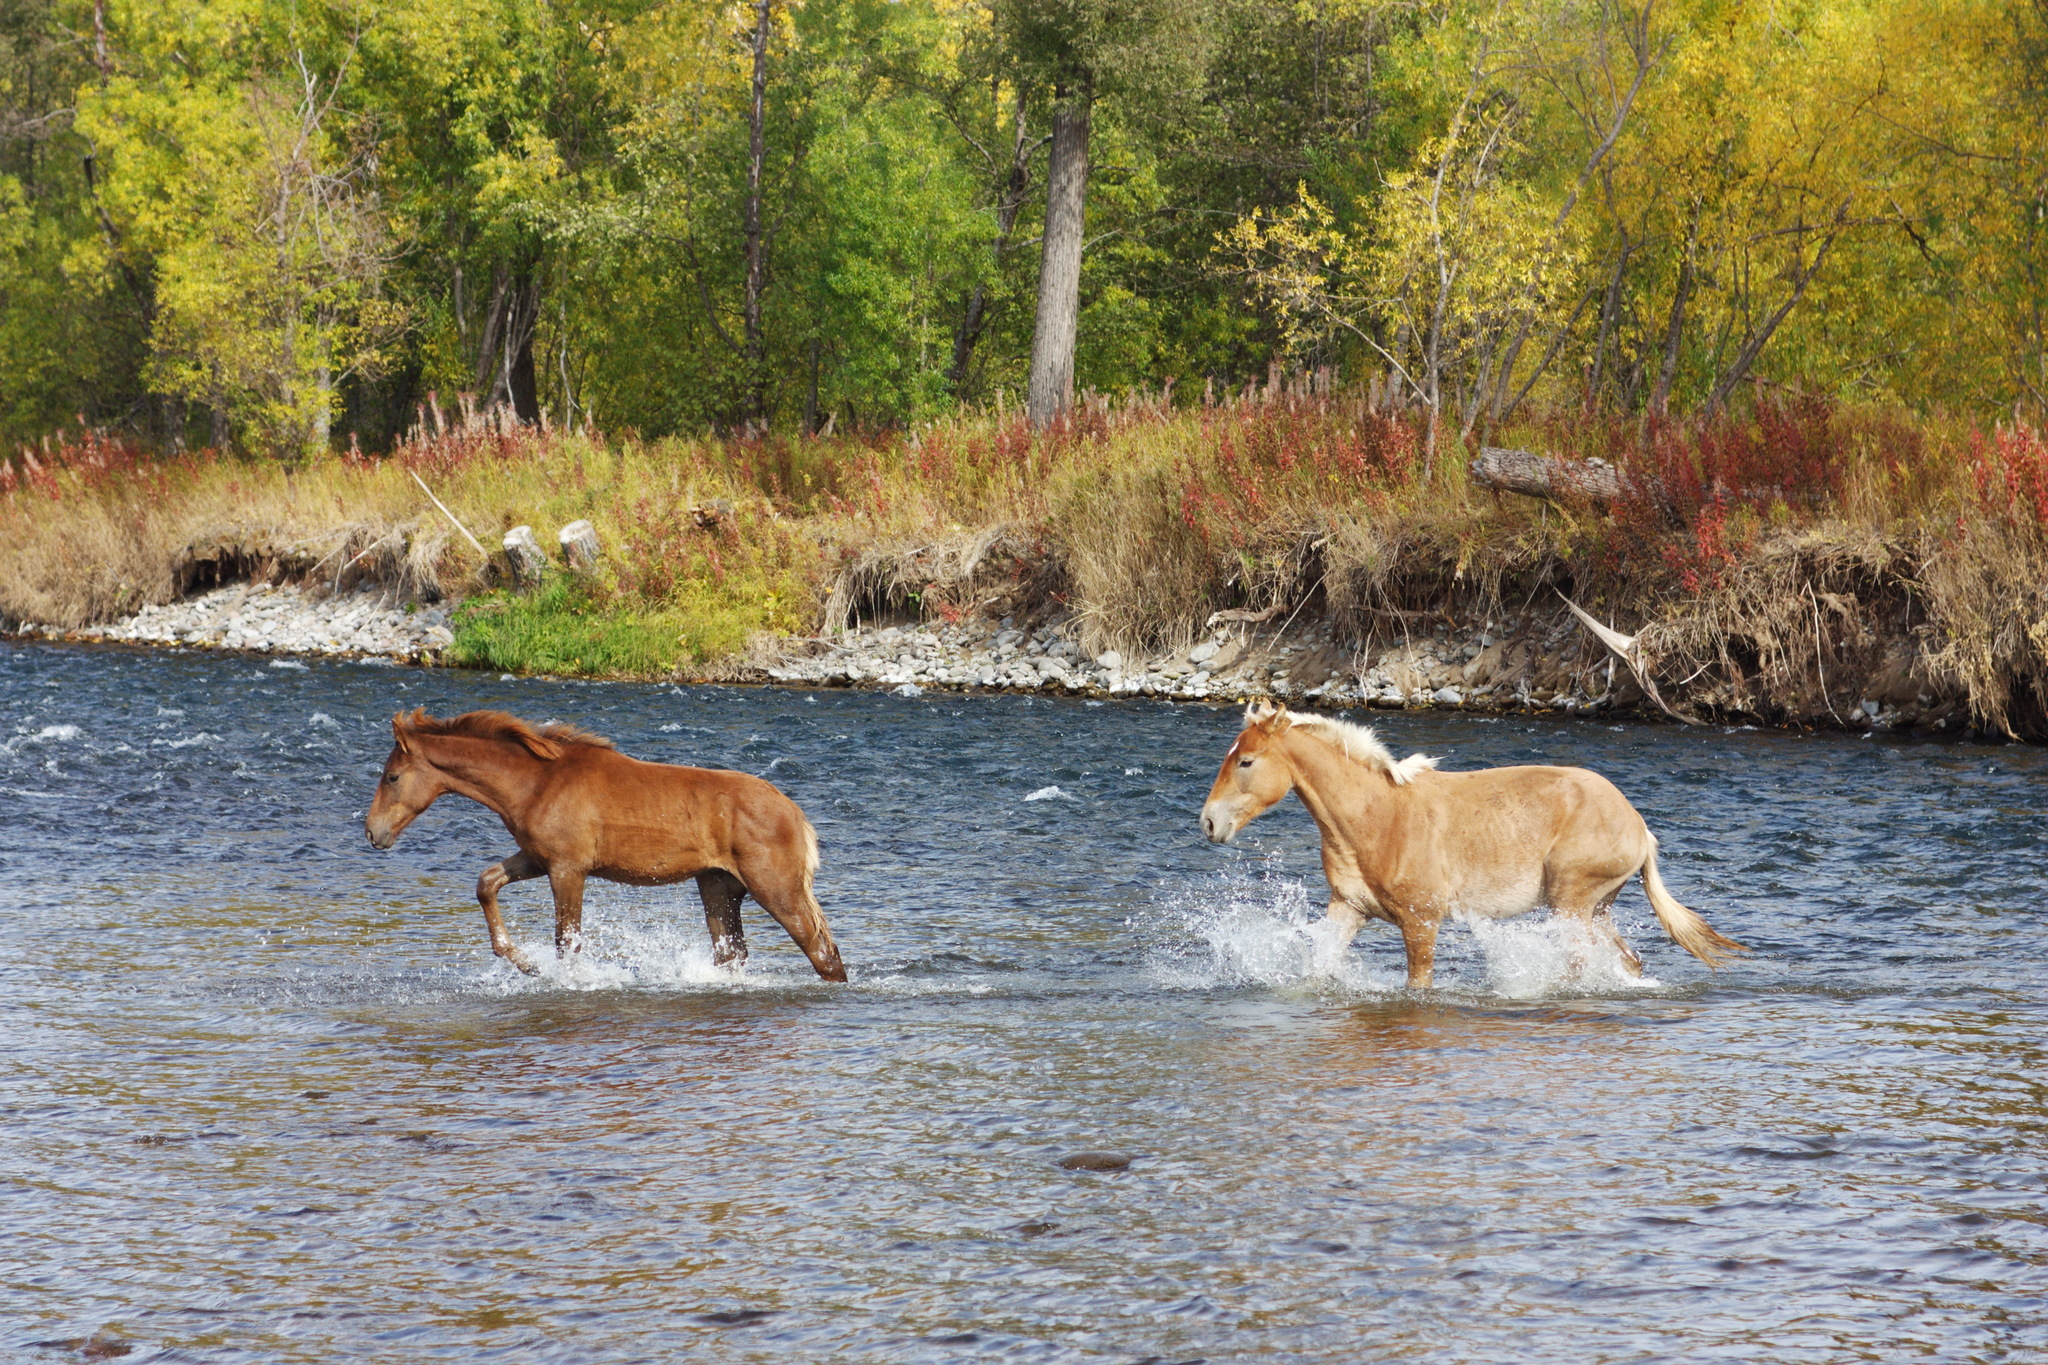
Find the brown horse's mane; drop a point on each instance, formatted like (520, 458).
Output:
(503, 725)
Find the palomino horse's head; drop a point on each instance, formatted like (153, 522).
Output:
(1254, 774)
(408, 786)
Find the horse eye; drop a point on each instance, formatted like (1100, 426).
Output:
(1245, 762)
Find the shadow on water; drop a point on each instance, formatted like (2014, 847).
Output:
(1097, 1091)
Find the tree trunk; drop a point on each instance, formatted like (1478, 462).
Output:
(757, 262)
(1674, 335)
(1051, 395)
(975, 316)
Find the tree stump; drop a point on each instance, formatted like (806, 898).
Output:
(524, 554)
(579, 546)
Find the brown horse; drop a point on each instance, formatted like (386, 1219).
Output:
(578, 808)
(1407, 844)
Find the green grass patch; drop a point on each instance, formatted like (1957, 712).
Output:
(592, 628)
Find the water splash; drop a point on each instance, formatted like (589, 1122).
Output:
(1260, 929)
(1542, 955)
(1048, 794)
(1263, 929)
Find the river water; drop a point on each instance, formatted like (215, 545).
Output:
(268, 1098)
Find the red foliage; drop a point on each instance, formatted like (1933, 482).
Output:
(2011, 469)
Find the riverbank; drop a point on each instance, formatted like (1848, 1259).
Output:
(1529, 665)
(1798, 567)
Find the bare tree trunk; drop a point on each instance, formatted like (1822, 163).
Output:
(811, 398)
(757, 262)
(1674, 332)
(1753, 347)
(1051, 393)
(974, 318)
(1610, 312)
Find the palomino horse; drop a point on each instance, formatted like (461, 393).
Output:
(1410, 845)
(578, 808)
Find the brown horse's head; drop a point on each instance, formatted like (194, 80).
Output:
(408, 786)
(1254, 774)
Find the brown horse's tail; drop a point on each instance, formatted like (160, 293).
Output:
(1688, 929)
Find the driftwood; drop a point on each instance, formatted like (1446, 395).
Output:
(1628, 649)
(1544, 476)
(1244, 615)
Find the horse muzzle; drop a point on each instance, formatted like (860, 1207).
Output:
(1219, 826)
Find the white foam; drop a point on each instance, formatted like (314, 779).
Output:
(292, 664)
(323, 720)
(190, 741)
(49, 734)
(1048, 794)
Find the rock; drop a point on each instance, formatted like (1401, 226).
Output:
(1095, 1161)
(1447, 696)
(1110, 659)
(523, 553)
(1203, 652)
(579, 546)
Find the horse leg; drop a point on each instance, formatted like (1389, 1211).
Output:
(1418, 936)
(568, 886)
(722, 893)
(517, 868)
(784, 893)
(1341, 923)
(1591, 903)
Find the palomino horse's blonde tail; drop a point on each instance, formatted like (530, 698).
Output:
(1688, 929)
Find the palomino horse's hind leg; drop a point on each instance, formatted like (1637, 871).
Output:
(1418, 936)
(722, 893)
(1592, 904)
(495, 878)
(782, 893)
(568, 885)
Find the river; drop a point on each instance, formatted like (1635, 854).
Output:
(268, 1097)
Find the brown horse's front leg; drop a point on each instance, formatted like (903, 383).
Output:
(517, 868)
(568, 885)
(1418, 936)
(722, 893)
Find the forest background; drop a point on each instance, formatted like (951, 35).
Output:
(1188, 304)
(280, 224)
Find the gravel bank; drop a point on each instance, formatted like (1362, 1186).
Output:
(269, 619)
(1546, 667)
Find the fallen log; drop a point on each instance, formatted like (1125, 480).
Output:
(1545, 476)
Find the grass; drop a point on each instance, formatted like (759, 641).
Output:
(1774, 562)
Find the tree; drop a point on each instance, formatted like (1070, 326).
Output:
(1077, 51)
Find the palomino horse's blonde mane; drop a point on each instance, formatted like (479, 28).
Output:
(505, 726)
(1357, 743)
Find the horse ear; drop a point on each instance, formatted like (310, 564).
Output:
(1258, 712)
(398, 734)
(1277, 725)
